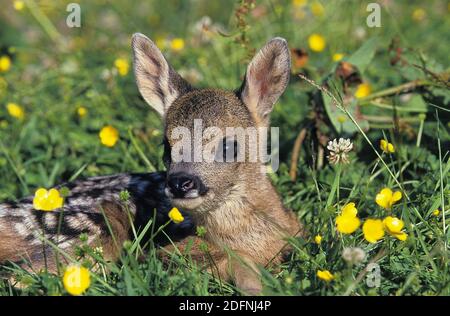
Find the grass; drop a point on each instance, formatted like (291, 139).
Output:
(56, 70)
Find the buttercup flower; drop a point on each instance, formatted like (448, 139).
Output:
(82, 111)
(337, 56)
(76, 279)
(386, 198)
(317, 9)
(341, 118)
(363, 90)
(18, 5)
(176, 215)
(47, 200)
(339, 150)
(109, 136)
(373, 230)
(347, 222)
(436, 212)
(419, 14)
(5, 63)
(299, 3)
(318, 239)
(15, 110)
(122, 66)
(325, 275)
(394, 227)
(161, 42)
(387, 147)
(177, 44)
(316, 42)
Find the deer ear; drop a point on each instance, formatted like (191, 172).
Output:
(266, 79)
(157, 82)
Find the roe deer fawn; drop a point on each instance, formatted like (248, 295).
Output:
(245, 221)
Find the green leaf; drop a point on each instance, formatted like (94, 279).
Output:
(340, 120)
(415, 104)
(364, 55)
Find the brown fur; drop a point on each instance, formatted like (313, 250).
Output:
(119, 224)
(11, 247)
(246, 223)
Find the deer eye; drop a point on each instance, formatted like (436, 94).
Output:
(229, 150)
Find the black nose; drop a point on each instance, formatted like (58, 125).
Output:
(181, 183)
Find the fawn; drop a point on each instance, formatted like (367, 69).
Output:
(245, 221)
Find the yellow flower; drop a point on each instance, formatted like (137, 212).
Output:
(176, 215)
(47, 200)
(386, 146)
(349, 210)
(82, 111)
(19, 5)
(419, 14)
(436, 212)
(317, 9)
(109, 136)
(76, 279)
(177, 44)
(341, 119)
(337, 57)
(363, 90)
(373, 230)
(325, 275)
(347, 222)
(299, 3)
(122, 66)
(15, 110)
(5, 63)
(386, 198)
(316, 42)
(394, 227)
(160, 41)
(318, 239)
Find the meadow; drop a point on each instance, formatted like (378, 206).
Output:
(386, 89)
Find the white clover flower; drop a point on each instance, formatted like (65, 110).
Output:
(339, 150)
(353, 255)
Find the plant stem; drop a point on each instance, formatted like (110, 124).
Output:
(296, 153)
(43, 20)
(398, 89)
(335, 186)
(419, 134)
(382, 105)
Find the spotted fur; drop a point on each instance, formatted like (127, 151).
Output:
(27, 234)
